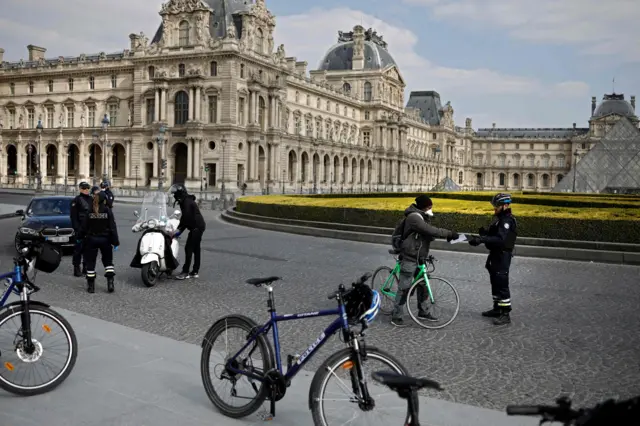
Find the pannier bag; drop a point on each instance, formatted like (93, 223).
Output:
(49, 258)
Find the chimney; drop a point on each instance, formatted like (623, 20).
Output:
(35, 52)
(468, 123)
(301, 68)
(1, 55)
(357, 60)
(593, 105)
(633, 102)
(291, 63)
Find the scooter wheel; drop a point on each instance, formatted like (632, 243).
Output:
(150, 272)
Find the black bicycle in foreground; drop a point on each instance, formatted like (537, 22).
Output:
(607, 413)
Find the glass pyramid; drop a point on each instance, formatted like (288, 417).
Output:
(446, 185)
(611, 166)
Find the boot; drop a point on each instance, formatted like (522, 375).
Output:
(492, 313)
(110, 287)
(91, 285)
(503, 319)
(77, 272)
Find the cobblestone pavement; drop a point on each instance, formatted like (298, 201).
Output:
(574, 327)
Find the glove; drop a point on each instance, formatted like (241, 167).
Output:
(177, 234)
(115, 248)
(475, 241)
(78, 241)
(482, 231)
(453, 236)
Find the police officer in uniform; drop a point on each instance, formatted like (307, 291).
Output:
(500, 240)
(80, 207)
(100, 233)
(105, 186)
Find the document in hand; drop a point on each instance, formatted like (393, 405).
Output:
(461, 239)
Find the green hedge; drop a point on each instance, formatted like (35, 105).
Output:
(534, 199)
(537, 227)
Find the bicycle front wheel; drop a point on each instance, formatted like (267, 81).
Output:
(335, 397)
(437, 310)
(386, 283)
(40, 367)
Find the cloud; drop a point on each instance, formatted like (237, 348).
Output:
(597, 27)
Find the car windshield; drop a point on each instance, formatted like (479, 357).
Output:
(49, 207)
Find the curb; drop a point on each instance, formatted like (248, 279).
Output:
(564, 253)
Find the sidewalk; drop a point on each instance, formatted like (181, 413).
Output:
(9, 210)
(127, 377)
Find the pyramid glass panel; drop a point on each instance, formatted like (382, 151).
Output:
(612, 165)
(446, 185)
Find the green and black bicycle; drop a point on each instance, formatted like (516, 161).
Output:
(442, 299)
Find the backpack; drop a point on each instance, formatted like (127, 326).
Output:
(398, 237)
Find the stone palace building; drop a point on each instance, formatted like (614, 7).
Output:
(210, 100)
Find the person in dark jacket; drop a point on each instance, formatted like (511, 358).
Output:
(105, 185)
(80, 207)
(500, 240)
(416, 240)
(192, 220)
(100, 233)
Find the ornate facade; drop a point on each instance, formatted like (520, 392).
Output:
(210, 100)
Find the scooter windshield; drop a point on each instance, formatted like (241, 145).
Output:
(154, 206)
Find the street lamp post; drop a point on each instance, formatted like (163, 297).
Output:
(29, 151)
(284, 176)
(136, 167)
(106, 147)
(66, 165)
(95, 136)
(575, 171)
(163, 162)
(39, 175)
(222, 188)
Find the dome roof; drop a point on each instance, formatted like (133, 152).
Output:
(614, 104)
(339, 56)
(223, 16)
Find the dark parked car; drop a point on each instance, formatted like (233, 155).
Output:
(50, 213)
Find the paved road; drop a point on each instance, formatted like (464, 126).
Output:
(574, 330)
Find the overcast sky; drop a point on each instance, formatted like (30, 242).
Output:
(517, 63)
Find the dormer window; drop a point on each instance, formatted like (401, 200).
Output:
(183, 33)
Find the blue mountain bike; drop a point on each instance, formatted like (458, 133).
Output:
(38, 347)
(265, 376)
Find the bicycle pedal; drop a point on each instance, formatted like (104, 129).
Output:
(266, 417)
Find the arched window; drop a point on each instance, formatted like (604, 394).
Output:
(346, 88)
(181, 70)
(545, 180)
(213, 71)
(183, 33)
(367, 91)
(260, 41)
(181, 108)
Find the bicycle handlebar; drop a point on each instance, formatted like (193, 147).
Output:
(341, 290)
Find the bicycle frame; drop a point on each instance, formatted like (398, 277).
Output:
(338, 324)
(15, 277)
(422, 273)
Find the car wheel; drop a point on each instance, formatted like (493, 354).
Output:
(18, 242)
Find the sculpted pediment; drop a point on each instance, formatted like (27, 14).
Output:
(394, 73)
(174, 7)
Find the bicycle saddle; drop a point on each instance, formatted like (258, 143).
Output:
(399, 382)
(259, 281)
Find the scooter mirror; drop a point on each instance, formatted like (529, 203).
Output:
(136, 214)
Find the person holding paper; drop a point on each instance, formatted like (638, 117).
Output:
(500, 239)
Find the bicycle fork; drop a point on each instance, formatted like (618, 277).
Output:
(27, 342)
(358, 382)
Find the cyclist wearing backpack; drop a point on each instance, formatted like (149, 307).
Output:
(412, 238)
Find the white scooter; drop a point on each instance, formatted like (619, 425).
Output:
(157, 230)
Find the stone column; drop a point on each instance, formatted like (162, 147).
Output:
(198, 102)
(189, 158)
(60, 160)
(127, 158)
(254, 160)
(155, 161)
(196, 157)
(156, 112)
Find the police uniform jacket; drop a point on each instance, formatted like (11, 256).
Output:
(100, 224)
(110, 197)
(502, 233)
(80, 207)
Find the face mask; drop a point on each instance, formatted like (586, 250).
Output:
(429, 212)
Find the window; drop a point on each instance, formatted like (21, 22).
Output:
(545, 181)
(546, 146)
(531, 146)
(213, 69)
(460, 178)
(328, 106)
(530, 180)
(183, 33)
(327, 130)
(241, 111)
(114, 81)
(297, 96)
(297, 124)
(545, 161)
(50, 85)
(502, 159)
(337, 109)
(434, 136)
(308, 97)
(12, 87)
(260, 41)
(501, 179)
(70, 116)
(584, 146)
(346, 88)
(366, 138)
(241, 70)
(70, 84)
(517, 146)
(309, 126)
(262, 114)
(181, 108)
(31, 87)
(113, 115)
(92, 83)
(12, 118)
(49, 117)
(151, 110)
(367, 91)
(532, 160)
(152, 72)
(181, 70)
(31, 118)
(213, 109)
(318, 103)
(92, 116)
(367, 115)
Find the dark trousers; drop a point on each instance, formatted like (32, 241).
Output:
(498, 264)
(77, 254)
(91, 247)
(408, 271)
(192, 248)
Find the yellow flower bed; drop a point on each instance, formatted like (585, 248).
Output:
(448, 205)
